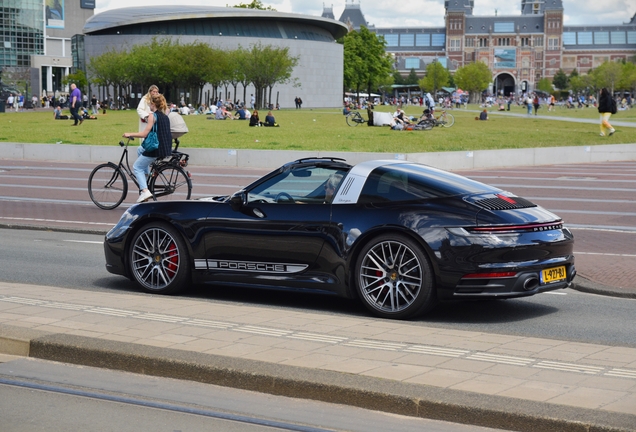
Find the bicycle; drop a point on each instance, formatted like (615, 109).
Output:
(108, 186)
(445, 119)
(354, 118)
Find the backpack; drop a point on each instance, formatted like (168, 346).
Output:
(613, 106)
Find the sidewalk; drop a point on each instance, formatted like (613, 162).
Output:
(499, 381)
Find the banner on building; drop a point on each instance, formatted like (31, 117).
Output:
(54, 13)
(505, 58)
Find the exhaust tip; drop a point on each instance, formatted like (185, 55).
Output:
(530, 283)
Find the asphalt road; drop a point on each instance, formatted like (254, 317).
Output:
(73, 260)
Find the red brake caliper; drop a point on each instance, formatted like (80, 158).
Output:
(173, 257)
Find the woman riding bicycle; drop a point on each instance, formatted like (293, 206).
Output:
(141, 166)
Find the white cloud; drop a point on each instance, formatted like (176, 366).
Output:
(426, 13)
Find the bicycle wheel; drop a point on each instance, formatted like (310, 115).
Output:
(170, 183)
(353, 119)
(449, 120)
(107, 186)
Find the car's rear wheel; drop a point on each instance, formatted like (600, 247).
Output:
(394, 278)
(158, 259)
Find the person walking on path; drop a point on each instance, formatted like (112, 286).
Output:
(606, 107)
(143, 109)
(94, 109)
(536, 103)
(76, 101)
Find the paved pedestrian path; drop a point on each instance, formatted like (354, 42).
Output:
(501, 381)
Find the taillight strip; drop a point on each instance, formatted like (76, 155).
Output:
(531, 227)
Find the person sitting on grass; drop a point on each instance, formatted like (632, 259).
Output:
(270, 120)
(57, 113)
(482, 115)
(254, 120)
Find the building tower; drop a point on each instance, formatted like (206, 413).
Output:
(327, 12)
(352, 16)
(553, 40)
(456, 11)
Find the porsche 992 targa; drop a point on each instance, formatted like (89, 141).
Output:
(397, 235)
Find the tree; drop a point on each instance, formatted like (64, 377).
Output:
(412, 78)
(106, 69)
(628, 77)
(256, 4)
(265, 66)
(366, 62)
(608, 75)
(545, 85)
(560, 80)
(398, 78)
(474, 78)
(437, 76)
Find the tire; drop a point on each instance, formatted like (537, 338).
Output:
(394, 278)
(425, 125)
(158, 259)
(170, 183)
(351, 120)
(450, 120)
(107, 186)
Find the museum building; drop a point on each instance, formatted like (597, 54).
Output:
(519, 49)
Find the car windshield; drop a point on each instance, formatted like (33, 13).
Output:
(298, 185)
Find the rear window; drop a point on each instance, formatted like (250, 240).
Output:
(406, 182)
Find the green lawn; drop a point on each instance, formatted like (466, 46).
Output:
(326, 129)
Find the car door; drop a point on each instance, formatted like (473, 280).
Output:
(274, 231)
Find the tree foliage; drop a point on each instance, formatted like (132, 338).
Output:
(255, 4)
(560, 80)
(545, 85)
(366, 62)
(198, 65)
(437, 76)
(473, 78)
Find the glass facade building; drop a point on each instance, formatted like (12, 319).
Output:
(22, 31)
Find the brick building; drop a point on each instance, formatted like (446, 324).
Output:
(519, 49)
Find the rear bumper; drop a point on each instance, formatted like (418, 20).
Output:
(523, 284)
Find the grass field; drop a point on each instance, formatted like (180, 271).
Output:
(326, 129)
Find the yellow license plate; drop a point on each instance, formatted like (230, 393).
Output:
(554, 274)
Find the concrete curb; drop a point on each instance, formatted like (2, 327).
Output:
(583, 284)
(272, 159)
(291, 381)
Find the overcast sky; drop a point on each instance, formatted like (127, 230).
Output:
(426, 13)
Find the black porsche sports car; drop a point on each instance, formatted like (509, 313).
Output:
(398, 235)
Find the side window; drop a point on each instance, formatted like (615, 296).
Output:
(303, 185)
(392, 186)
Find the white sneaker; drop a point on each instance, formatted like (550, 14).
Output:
(144, 196)
(612, 132)
(602, 134)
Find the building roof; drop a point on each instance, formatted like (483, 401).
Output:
(352, 14)
(327, 12)
(131, 16)
(460, 6)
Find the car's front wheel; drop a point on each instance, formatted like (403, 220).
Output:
(394, 278)
(158, 259)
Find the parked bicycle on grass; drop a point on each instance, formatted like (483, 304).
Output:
(445, 119)
(354, 118)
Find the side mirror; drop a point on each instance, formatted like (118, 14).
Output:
(237, 200)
